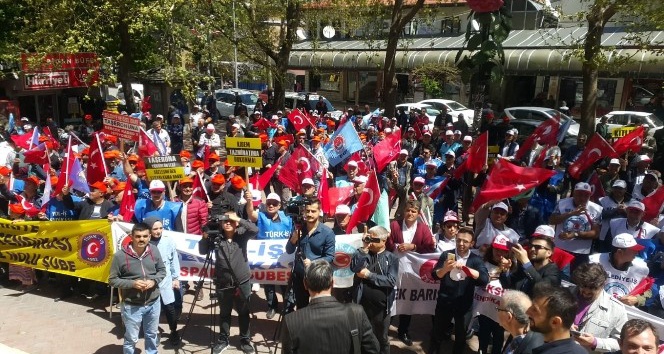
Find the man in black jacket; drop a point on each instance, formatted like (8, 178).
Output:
(232, 275)
(326, 325)
(534, 264)
(459, 272)
(95, 206)
(377, 270)
(513, 318)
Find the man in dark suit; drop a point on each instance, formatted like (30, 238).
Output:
(513, 318)
(459, 272)
(411, 235)
(315, 241)
(326, 326)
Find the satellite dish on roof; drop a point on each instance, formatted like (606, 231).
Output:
(301, 33)
(329, 32)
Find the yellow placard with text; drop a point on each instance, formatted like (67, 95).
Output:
(82, 248)
(622, 131)
(245, 152)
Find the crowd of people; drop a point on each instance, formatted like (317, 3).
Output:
(501, 268)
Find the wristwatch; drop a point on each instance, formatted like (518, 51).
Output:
(575, 234)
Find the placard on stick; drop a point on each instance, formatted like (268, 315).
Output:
(165, 168)
(244, 152)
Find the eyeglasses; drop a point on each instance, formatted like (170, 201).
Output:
(372, 239)
(538, 247)
(272, 203)
(502, 310)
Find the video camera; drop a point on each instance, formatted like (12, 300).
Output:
(213, 227)
(295, 209)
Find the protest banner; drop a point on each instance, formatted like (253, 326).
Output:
(244, 152)
(165, 168)
(124, 127)
(268, 260)
(417, 291)
(492, 154)
(79, 248)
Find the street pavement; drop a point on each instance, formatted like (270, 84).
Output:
(34, 323)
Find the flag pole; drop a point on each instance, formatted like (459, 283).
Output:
(203, 187)
(67, 165)
(101, 152)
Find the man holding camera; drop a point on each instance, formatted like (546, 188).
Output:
(377, 270)
(315, 241)
(232, 274)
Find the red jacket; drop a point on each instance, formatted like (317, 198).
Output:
(197, 216)
(423, 238)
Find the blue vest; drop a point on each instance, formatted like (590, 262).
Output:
(168, 213)
(56, 211)
(269, 229)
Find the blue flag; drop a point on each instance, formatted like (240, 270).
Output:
(342, 144)
(562, 133)
(12, 123)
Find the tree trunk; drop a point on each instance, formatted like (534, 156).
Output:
(590, 74)
(124, 66)
(388, 92)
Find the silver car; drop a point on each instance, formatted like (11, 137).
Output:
(226, 99)
(541, 114)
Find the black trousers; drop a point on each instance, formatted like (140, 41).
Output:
(490, 333)
(446, 310)
(380, 324)
(301, 293)
(238, 298)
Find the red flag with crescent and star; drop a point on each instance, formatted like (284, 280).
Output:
(299, 119)
(128, 202)
(367, 203)
(300, 165)
(595, 149)
(96, 171)
(632, 141)
(387, 151)
(507, 180)
(545, 133)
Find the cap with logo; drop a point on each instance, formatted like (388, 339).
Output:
(360, 179)
(157, 185)
(273, 196)
(626, 241)
(583, 187)
(635, 204)
(450, 216)
(619, 184)
(500, 205)
(501, 242)
(545, 231)
(308, 181)
(342, 209)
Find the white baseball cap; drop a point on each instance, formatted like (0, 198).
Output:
(619, 184)
(431, 163)
(450, 216)
(157, 185)
(626, 240)
(211, 127)
(352, 163)
(342, 209)
(635, 204)
(403, 152)
(583, 186)
(500, 205)
(642, 158)
(544, 230)
(273, 196)
(449, 132)
(450, 153)
(457, 132)
(418, 180)
(467, 138)
(308, 181)
(614, 162)
(360, 179)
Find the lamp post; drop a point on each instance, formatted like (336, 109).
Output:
(234, 49)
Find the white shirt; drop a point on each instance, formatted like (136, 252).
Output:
(408, 233)
(195, 117)
(607, 203)
(576, 223)
(619, 283)
(489, 232)
(642, 231)
(444, 244)
(213, 141)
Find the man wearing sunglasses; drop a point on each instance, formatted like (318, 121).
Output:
(534, 263)
(376, 270)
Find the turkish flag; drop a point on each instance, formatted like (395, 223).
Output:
(339, 195)
(261, 180)
(22, 141)
(30, 209)
(56, 143)
(65, 168)
(96, 171)
(595, 149)
(596, 187)
(507, 180)
(539, 161)
(199, 188)
(38, 155)
(128, 202)
(263, 124)
(631, 141)
(387, 151)
(478, 153)
(545, 133)
(367, 203)
(301, 164)
(206, 157)
(145, 145)
(653, 204)
(362, 168)
(299, 119)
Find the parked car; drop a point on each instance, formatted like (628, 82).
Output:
(454, 108)
(417, 107)
(526, 127)
(226, 99)
(296, 99)
(138, 96)
(619, 119)
(539, 114)
(112, 103)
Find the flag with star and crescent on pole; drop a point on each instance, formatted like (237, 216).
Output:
(596, 148)
(300, 165)
(96, 171)
(299, 119)
(507, 180)
(367, 203)
(632, 141)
